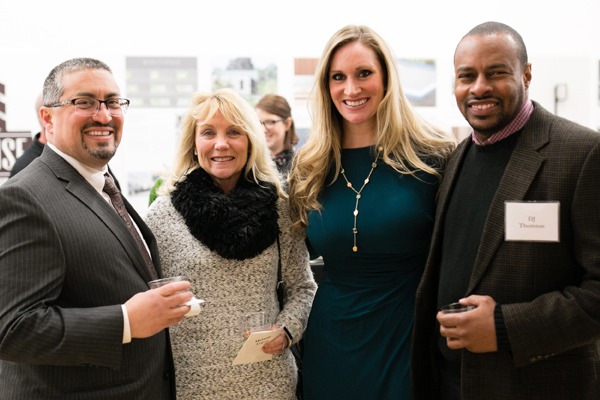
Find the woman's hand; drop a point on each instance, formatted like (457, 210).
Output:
(278, 344)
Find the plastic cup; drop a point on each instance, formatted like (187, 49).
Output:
(253, 322)
(194, 302)
(456, 308)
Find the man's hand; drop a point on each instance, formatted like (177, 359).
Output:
(472, 330)
(156, 309)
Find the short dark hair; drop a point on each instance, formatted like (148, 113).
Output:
(494, 28)
(53, 86)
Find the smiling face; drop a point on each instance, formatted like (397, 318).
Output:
(275, 129)
(92, 140)
(490, 82)
(222, 150)
(356, 84)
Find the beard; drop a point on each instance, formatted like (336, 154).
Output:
(104, 152)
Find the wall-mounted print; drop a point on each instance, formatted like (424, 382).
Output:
(162, 82)
(418, 79)
(2, 109)
(252, 77)
(304, 78)
(12, 146)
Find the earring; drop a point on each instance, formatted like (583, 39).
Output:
(195, 153)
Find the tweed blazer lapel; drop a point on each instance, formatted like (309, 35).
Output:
(77, 186)
(520, 172)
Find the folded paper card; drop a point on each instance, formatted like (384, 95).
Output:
(251, 351)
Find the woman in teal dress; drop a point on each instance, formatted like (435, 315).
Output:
(363, 189)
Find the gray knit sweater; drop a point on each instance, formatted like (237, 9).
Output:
(205, 346)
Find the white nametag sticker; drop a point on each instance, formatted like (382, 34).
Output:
(532, 221)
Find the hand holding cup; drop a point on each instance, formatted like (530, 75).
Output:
(194, 303)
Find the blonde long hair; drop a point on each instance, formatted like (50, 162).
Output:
(236, 111)
(408, 141)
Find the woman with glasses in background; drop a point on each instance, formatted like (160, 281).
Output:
(275, 115)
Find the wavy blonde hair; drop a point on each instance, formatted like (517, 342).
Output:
(409, 143)
(237, 112)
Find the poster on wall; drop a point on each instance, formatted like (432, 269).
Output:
(418, 79)
(12, 146)
(160, 89)
(161, 82)
(252, 77)
(2, 109)
(304, 79)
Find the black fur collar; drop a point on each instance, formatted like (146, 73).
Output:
(238, 225)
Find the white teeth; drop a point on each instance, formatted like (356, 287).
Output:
(356, 103)
(98, 133)
(482, 106)
(222, 158)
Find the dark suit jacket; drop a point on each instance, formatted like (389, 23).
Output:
(549, 292)
(33, 152)
(67, 263)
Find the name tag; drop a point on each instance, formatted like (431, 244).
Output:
(532, 221)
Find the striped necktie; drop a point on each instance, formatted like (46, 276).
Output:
(117, 201)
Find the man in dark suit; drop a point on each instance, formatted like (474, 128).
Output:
(77, 320)
(517, 236)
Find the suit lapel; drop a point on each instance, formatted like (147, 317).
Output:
(77, 186)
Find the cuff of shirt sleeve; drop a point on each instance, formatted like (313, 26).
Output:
(501, 335)
(126, 327)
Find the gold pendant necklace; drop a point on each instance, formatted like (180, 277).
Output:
(358, 194)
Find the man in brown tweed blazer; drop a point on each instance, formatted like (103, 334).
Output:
(517, 237)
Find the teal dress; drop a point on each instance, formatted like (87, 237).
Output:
(357, 341)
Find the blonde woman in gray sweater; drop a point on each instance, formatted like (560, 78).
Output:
(222, 220)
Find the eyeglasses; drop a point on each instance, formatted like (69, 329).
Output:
(88, 106)
(269, 123)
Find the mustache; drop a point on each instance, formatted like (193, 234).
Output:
(480, 98)
(94, 124)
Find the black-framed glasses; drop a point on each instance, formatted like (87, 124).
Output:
(88, 106)
(269, 123)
